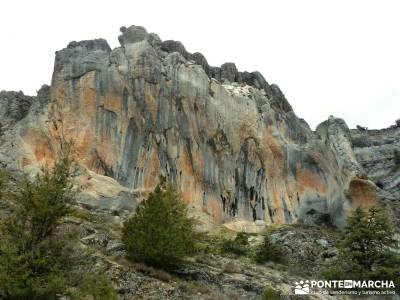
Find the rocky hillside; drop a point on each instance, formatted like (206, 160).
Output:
(149, 111)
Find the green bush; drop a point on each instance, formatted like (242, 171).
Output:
(34, 260)
(39, 273)
(269, 251)
(44, 202)
(238, 246)
(96, 287)
(160, 234)
(270, 294)
(367, 250)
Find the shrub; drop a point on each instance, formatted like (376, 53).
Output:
(367, 250)
(160, 234)
(96, 287)
(44, 202)
(270, 294)
(269, 251)
(34, 261)
(238, 246)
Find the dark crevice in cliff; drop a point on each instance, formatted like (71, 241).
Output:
(100, 166)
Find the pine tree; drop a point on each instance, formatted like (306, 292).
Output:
(34, 261)
(368, 250)
(160, 233)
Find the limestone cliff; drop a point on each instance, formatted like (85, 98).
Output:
(150, 111)
(375, 150)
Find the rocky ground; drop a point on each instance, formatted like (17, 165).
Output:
(210, 274)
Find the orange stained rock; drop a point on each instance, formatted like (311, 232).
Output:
(112, 102)
(308, 180)
(25, 161)
(153, 167)
(83, 143)
(215, 209)
(275, 149)
(151, 102)
(362, 193)
(40, 147)
(88, 94)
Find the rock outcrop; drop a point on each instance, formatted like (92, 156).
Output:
(375, 150)
(150, 111)
(14, 106)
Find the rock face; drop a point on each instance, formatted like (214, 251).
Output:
(14, 106)
(375, 150)
(150, 111)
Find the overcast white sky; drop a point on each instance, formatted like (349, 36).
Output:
(328, 57)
